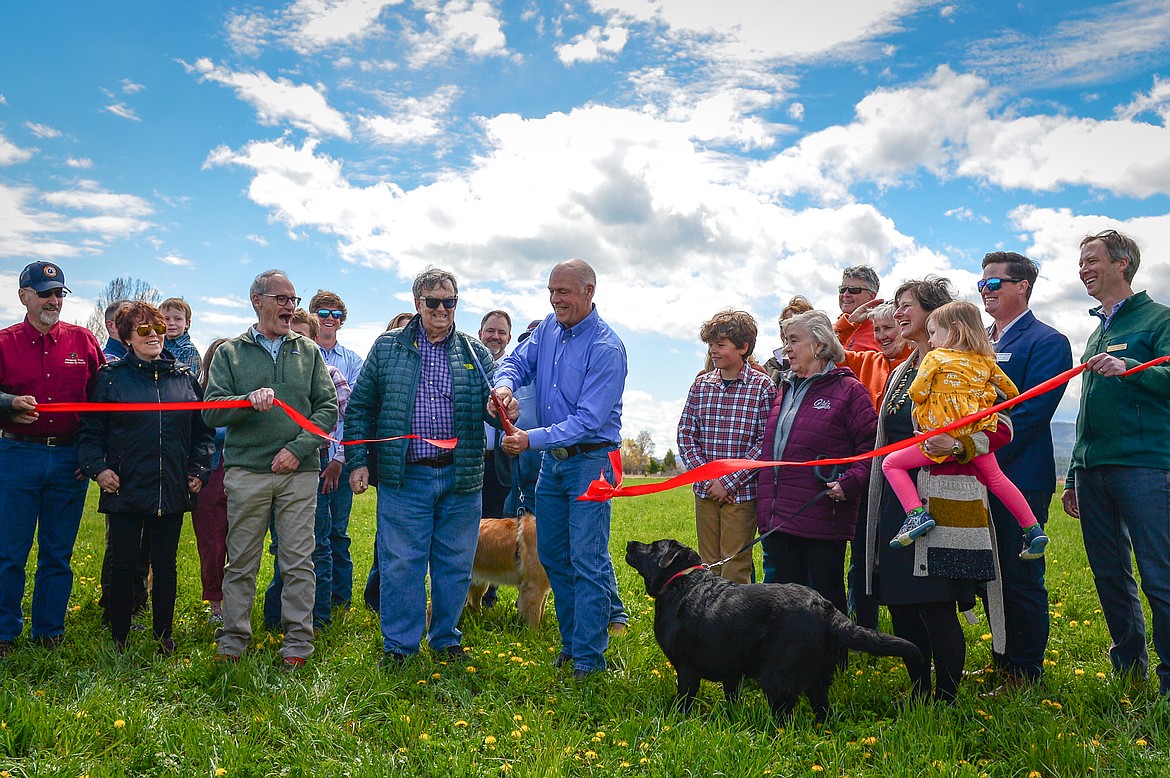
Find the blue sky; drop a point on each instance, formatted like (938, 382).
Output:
(700, 155)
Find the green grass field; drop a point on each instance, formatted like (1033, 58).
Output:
(84, 710)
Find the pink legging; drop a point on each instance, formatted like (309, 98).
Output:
(897, 466)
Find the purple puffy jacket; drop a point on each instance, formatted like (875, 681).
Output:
(835, 419)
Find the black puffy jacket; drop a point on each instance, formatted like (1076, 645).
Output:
(152, 452)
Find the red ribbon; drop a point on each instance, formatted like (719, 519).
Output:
(194, 405)
(601, 490)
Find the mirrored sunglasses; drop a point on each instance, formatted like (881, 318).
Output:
(145, 329)
(325, 313)
(993, 284)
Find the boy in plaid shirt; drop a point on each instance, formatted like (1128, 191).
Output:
(724, 418)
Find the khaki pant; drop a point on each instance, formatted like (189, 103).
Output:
(252, 499)
(723, 530)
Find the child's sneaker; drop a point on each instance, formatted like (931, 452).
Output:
(1034, 542)
(918, 523)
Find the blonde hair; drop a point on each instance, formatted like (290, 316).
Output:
(964, 328)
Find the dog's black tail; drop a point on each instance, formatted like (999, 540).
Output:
(870, 641)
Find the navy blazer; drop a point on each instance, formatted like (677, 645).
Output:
(1030, 353)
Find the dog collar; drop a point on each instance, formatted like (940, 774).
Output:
(679, 574)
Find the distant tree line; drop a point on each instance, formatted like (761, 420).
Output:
(638, 457)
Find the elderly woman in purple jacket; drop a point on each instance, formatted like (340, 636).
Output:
(821, 410)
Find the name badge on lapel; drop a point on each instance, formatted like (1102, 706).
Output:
(1116, 347)
(1003, 356)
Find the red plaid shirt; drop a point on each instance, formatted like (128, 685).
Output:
(726, 422)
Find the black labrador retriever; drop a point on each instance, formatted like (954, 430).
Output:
(788, 636)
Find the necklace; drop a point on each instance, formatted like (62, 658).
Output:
(897, 398)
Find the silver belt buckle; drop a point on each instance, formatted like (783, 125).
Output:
(559, 454)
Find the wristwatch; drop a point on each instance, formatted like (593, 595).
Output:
(957, 449)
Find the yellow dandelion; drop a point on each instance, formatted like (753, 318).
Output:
(590, 754)
(471, 669)
(622, 743)
(461, 723)
(489, 740)
(985, 636)
(436, 675)
(868, 741)
(119, 724)
(624, 764)
(817, 768)
(643, 760)
(1078, 671)
(220, 772)
(1141, 741)
(422, 681)
(1101, 676)
(517, 717)
(516, 733)
(600, 734)
(424, 736)
(1034, 774)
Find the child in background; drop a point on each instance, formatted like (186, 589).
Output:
(177, 316)
(724, 418)
(957, 378)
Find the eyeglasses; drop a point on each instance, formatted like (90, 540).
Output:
(145, 329)
(435, 302)
(325, 313)
(58, 293)
(993, 284)
(283, 299)
(853, 289)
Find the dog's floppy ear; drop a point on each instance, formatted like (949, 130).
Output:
(672, 556)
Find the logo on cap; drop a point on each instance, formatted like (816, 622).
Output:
(50, 271)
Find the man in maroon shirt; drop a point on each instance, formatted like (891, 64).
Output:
(42, 360)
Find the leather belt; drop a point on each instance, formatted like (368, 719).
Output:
(442, 461)
(564, 452)
(57, 440)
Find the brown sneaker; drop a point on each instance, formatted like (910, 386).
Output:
(617, 628)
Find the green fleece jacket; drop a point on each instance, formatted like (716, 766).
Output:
(298, 377)
(1126, 420)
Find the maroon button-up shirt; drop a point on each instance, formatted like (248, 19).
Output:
(58, 367)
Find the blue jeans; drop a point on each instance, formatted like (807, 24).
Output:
(337, 506)
(1124, 509)
(41, 497)
(1025, 598)
(424, 524)
(572, 537)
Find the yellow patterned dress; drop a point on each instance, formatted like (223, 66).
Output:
(952, 384)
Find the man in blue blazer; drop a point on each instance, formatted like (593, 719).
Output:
(1030, 352)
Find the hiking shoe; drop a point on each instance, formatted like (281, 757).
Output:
(291, 664)
(454, 653)
(618, 628)
(916, 526)
(166, 646)
(392, 660)
(6, 648)
(562, 660)
(1034, 542)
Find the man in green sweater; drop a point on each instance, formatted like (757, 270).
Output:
(1118, 483)
(271, 463)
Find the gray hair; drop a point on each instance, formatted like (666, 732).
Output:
(260, 283)
(820, 330)
(113, 307)
(432, 278)
(883, 312)
(865, 273)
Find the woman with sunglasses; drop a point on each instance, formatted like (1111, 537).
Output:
(148, 464)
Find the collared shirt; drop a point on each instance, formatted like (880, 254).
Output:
(58, 367)
(114, 349)
(349, 363)
(726, 420)
(1107, 318)
(580, 374)
(991, 334)
(272, 346)
(336, 450)
(183, 350)
(434, 405)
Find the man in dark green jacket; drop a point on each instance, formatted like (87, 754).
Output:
(431, 382)
(271, 463)
(1118, 483)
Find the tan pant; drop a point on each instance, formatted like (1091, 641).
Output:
(723, 530)
(253, 498)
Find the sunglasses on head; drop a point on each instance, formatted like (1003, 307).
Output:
(435, 302)
(325, 313)
(993, 284)
(58, 293)
(853, 289)
(145, 329)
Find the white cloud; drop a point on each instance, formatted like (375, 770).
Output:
(411, 119)
(81, 163)
(176, 260)
(123, 110)
(42, 130)
(131, 88)
(318, 24)
(259, 240)
(1156, 101)
(594, 45)
(11, 154)
(227, 301)
(91, 199)
(796, 111)
(26, 230)
(472, 27)
(278, 100)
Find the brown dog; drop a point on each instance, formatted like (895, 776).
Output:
(506, 556)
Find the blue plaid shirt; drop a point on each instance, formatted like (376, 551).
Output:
(434, 407)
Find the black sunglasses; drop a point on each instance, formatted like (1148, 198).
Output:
(435, 302)
(993, 284)
(58, 293)
(283, 299)
(145, 329)
(853, 289)
(325, 313)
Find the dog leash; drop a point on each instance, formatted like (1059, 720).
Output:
(824, 475)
